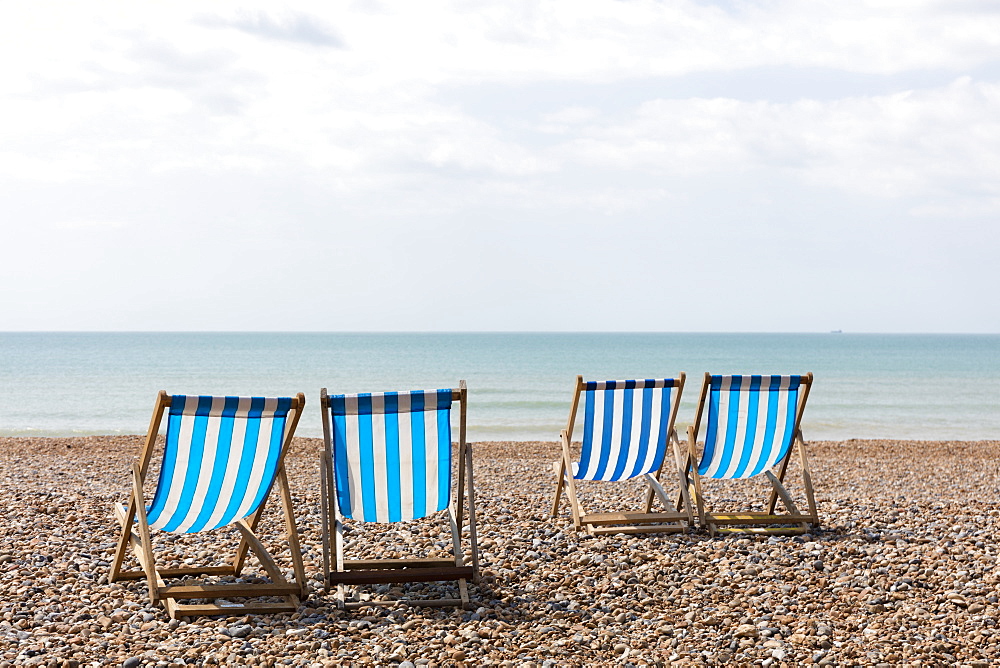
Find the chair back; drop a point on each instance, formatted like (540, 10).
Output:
(626, 426)
(219, 461)
(391, 453)
(752, 422)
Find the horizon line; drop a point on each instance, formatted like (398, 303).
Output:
(484, 331)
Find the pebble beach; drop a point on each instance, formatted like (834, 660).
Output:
(903, 571)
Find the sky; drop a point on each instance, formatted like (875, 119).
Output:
(560, 165)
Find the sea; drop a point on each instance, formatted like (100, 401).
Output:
(899, 386)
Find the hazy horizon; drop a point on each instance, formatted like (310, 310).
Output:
(475, 331)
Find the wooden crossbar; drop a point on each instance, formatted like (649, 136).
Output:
(405, 575)
(210, 609)
(632, 518)
(227, 590)
(411, 602)
(762, 531)
(376, 564)
(654, 528)
(758, 518)
(178, 572)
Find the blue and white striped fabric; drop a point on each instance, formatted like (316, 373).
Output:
(751, 424)
(624, 428)
(392, 454)
(219, 461)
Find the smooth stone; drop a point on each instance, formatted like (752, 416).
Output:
(241, 631)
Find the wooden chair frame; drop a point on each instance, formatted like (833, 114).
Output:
(644, 521)
(340, 572)
(743, 522)
(168, 595)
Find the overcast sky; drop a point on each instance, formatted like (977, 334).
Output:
(750, 165)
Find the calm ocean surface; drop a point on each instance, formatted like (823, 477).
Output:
(520, 384)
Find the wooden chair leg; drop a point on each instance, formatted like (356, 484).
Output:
(807, 479)
(693, 469)
(147, 543)
(123, 541)
(260, 551)
(560, 469)
(338, 557)
(456, 539)
(685, 488)
(325, 489)
(773, 499)
(779, 490)
(241, 552)
(647, 504)
(570, 483)
(656, 488)
(463, 592)
(292, 534)
(473, 528)
(460, 495)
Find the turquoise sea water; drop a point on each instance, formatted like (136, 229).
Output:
(520, 384)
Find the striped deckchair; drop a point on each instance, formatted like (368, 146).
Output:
(221, 457)
(627, 426)
(388, 458)
(752, 425)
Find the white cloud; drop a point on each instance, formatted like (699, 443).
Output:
(510, 136)
(89, 225)
(940, 143)
(130, 77)
(298, 28)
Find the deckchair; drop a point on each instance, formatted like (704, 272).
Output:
(220, 459)
(388, 458)
(752, 424)
(626, 429)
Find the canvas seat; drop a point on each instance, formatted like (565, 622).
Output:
(753, 424)
(388, 459)
(628, 428)
(220, 460)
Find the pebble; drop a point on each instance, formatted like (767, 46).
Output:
(241, 631)
(903, 571)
